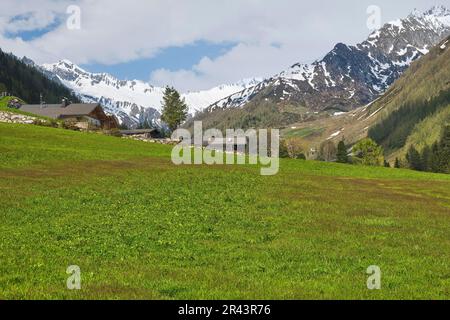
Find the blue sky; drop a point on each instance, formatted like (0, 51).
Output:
(172, 58)
(190, 44)
(30, 35)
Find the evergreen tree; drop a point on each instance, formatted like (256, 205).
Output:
(174, 110)
(397, 163)
(445, 145)
(442, 157)
(342, 156)
(28, 83)
(414, 159)
(426, 157)
(434, 163)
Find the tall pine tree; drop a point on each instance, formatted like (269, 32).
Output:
(397, 163)
(342, 156)
(414, 159)
(443, 152)
(426, 157)
(174, 109)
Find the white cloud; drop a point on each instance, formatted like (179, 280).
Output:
(118, 32)
(248, 60)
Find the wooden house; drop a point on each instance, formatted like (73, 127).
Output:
(82, 115)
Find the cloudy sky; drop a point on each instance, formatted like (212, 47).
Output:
(191, 44)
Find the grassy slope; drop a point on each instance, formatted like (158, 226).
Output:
(140, 227)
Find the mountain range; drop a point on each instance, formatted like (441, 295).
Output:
(412, 112)
(346, 78)
(133, 102)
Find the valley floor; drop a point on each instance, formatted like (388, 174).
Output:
(140, 227)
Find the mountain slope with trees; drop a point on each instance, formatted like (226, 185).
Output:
(414, 111)
(28, 83)
(417, 107)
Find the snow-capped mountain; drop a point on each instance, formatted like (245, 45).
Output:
(133, 102)
(350, 76)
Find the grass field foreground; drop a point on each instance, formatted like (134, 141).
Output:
(140, 227)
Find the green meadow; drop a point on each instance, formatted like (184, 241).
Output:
(140, 227)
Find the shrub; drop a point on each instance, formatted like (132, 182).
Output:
(367, 152)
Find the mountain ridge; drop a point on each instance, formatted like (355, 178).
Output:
(134, 102)
(411, 112)
(346, 78)
(28, 83)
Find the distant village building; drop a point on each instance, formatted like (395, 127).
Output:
(82, 115)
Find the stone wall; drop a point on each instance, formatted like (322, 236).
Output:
(9, 117)
(152, 140)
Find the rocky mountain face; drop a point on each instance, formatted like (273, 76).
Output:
(348, 76)
(133, 102)
(412, 112)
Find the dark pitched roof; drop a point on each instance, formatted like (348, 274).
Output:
(79, 109)
(58, 111)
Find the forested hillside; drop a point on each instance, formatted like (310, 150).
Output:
(393, 131)
(28, 83)
(417, 107)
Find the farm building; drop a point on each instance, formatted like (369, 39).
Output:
(83, 115)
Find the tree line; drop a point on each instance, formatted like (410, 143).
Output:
(28, 83)
(434, 158)
(393, 131)
(365, 152)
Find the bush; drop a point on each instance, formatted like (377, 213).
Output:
(367, 152)
(295, 148)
